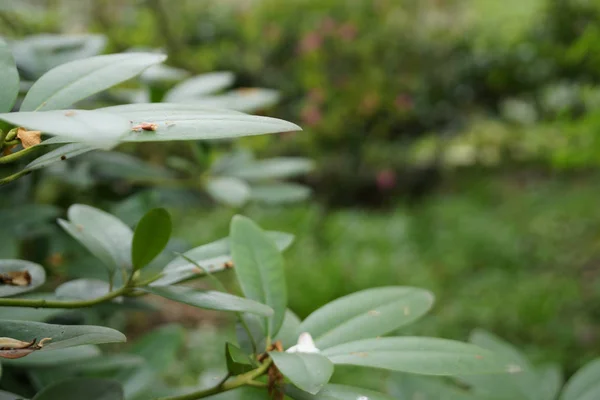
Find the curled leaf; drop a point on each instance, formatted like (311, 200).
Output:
(15, 278)
(12, 348)
(29, 138)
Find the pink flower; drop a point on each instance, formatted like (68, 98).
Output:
(348, 31)
(310, 43)
(386, 179)
(311, 116)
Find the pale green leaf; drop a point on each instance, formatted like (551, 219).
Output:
(585, 384)
(230, 191)
(63, 153)
(198, 86)
(338, 392)
(246, 100)
(9, 84)
(258, 265)
(82, 289)
(288, 334)
(309, 372)
(417, 355)
(76, 80)
(366, 314)
(82, 388)
(274, 168)
(279, 193)
(212, 257)
(210, 300)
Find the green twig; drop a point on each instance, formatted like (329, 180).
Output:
(18, 155)
(14, 177)
(42, 303)
(247, 379)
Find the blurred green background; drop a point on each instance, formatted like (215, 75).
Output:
(457, 145)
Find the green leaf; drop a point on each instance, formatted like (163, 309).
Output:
(524, 385)
(210, 300)
(76, 80)
(62, 336)
(143, 111)
(160, 73)
(151, 236)
(366, 314)
(159, 348)
(288, 334)
(406, 386)
(110, 238)
(550, 381)
(98, 129)
(56, 357)
(204, 126)
(198, 86)
(230, 191)
(279, 193)
(82, 388)
(246, 100)
(337, 392)
(82, 289)
(585, 384)
(115, 165)
(258, 265)
(309, 372)
(426, 356)
(9, 85)
(212, 257)
(105, 362)
(28, 271)
(274, 168)
(63, 153)
(238, 362)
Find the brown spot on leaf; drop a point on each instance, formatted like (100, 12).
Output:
(145, 126)
(16, 278)
(69, 113)
(63, 157)
(228, 264)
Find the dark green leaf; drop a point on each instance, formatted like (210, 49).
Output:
(24, 276)
(309, 372)
(258, 265)
(82, 388)
(417, 355)
(366, 314)
(337, 392)
(151, 236)
(76, 80)
(210, 300)
(238, 362)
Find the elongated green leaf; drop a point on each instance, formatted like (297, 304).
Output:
(109, 232)
(550, 378)
(213, 257)
(426, 356)
(9, 84)
(95, 128)
(203, 126)
(56, 357)
(407, 386)
(230, 191)
(337, 392)
(274, 168)
(246, 100)
(159, 348)
(366, 314)
(76, 80)
(142, 111)
(62, 335)
(163, 73)
(523, 385)
(210, 300)
(82, 388)
(82, 289)
(258, 265)
(105, 362)
(9, 396)
(29, 276)
(238, 362)
(115, 165)
(63, 153)
(151, 236)
(309, 372)
(279, 193)
(585, 384)
(288, 334)
(200, 85)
